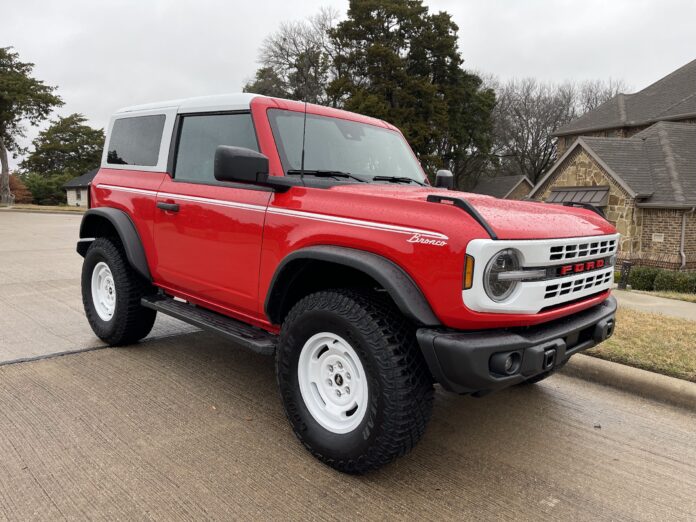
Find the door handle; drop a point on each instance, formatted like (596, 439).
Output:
(170, 207)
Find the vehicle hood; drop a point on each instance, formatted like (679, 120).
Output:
(509, 219)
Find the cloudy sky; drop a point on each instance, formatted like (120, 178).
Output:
(105, 55)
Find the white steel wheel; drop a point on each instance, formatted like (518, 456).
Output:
(332, 382)
(103, 291)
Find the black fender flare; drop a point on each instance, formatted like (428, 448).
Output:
(127, 233)
(401, 288)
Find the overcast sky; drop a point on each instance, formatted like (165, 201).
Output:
(105, 55)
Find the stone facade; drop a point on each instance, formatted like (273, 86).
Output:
(581, 170)
(521, 191)
(649, 237)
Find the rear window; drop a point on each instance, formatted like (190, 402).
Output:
(136, 141)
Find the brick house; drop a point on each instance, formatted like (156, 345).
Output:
(504, 187)
(635, 157)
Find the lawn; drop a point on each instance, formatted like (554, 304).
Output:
(652, 342)
(691, 298)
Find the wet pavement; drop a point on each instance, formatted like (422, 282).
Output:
(190, 427)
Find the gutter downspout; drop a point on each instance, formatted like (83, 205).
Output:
(682, 253)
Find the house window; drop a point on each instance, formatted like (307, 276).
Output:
(78, 194)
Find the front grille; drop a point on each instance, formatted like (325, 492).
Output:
(578, 249)
(576, 285)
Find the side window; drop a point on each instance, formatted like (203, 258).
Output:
(136, 140)
(200, 136)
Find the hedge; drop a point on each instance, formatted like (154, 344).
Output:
(643, 278)
(651, 279)
(682, 282)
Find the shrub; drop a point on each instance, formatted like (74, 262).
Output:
(682, 282)
(46, 190)
(643, 278)
(20, 191)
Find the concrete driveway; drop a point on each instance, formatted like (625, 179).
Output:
(189, 427)
(40, 302)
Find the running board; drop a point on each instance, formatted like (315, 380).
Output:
(255, 339)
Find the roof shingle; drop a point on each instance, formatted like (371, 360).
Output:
(670, 98)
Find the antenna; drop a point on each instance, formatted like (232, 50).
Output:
(304, 132)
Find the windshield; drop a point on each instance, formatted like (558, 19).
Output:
(332, 144)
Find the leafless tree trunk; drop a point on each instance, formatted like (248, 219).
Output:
(6, 197)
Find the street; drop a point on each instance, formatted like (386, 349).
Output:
(186, 426)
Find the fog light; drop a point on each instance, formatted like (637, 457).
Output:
(506, 363)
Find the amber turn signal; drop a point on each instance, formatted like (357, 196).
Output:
(468, 272)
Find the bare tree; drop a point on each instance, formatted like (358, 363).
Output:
(593, 93)
(297, 60)
(529, 112)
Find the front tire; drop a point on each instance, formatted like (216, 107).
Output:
(353, 382)
(111, 293)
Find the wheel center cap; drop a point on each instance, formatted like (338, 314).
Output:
(338, 379)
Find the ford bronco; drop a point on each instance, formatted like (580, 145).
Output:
(313, 235)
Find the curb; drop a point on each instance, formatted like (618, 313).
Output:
(33, 211)
(641, 382)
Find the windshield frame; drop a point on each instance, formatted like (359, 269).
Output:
(285, 163)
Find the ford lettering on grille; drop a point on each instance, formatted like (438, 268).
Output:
(586, 266)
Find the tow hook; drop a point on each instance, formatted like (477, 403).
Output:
(604, 330)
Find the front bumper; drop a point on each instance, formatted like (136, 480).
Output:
(462, 361)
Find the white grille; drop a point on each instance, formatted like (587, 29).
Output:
(577, 285)
(532, 296)
(577, 250)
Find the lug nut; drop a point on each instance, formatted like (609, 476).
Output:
(338, 393)
(348, 376)
(330, 368)
(347, 390)
(339, 365)
(329, 382)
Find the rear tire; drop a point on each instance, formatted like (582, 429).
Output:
(352, 380)
(111, 293)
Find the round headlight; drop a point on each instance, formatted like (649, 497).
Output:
(504, 261)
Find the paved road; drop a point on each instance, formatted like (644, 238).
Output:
(656, 305)
(190, 427)
(40, 303)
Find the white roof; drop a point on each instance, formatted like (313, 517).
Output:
(217, 102)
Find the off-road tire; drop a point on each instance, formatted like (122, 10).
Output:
(130, 321)
(399, 383)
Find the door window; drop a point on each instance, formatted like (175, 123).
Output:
(201, 135)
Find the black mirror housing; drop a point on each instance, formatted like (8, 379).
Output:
(444, 179)
(241, 165)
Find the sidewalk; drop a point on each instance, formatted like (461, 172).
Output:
(656, 305)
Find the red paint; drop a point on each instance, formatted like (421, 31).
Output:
(224, 258)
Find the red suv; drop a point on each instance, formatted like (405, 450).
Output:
(312, 234)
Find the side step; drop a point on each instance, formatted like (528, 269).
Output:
(255, 339)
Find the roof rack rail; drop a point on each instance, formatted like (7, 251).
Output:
(466, 207)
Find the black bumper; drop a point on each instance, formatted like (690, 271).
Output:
(471, 362)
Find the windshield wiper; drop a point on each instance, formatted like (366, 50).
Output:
(325, 174)
(396, 179)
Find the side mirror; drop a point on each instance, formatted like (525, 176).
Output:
(240, 165)
(444, 179)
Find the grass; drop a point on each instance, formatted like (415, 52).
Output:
(691, 298)
(48, 208)
(653, 342)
